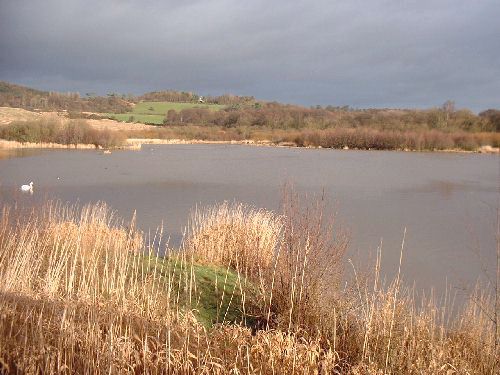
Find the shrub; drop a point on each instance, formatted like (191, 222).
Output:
(301, 285)
(71, 132)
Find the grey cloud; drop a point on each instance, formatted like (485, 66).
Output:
(362, 53)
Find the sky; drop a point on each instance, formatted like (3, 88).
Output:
(397, 54)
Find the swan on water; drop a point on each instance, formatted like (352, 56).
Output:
(28, 187)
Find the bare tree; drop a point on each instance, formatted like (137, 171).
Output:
(448, 108)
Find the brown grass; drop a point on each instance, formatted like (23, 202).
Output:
(77, 296)
(235, 235)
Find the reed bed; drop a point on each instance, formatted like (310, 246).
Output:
(74, 294)
(83, 292)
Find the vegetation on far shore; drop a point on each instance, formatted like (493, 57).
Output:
(72, 132)
(360, 139)
(250, 291)
(54, 130)
(180, 115)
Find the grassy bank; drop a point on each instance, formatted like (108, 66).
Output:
(251, 291)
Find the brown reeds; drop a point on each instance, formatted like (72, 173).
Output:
(76, 291)
(82, 293)
(365, 328)
(235, 235)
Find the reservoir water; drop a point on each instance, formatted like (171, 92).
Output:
(446, 201)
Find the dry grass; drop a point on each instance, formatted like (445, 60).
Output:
(236, 235)
(395, 336)
(75, 291)
(364, 328)
(8, 115)
(77, 296)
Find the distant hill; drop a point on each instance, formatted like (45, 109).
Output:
(12, 95)
(17, 91)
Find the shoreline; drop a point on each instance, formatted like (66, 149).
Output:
(136, 144)
(267, 143)
(12, 145)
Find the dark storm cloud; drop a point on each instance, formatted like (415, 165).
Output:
(362, 53)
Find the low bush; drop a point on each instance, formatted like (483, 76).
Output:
(55, 130)
(369, 139)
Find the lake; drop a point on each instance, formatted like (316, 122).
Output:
(446, 201)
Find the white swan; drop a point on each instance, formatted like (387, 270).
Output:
(28, 187)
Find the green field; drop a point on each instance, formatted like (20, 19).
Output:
(135, 117)
(155, 112)
(161, 108)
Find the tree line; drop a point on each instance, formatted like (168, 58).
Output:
(279, 116)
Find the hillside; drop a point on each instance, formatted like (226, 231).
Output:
(12, 95)
(17, 96)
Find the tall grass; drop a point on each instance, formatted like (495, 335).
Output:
(362, 328)
(76, 291)
(235, 235)
(83, 292)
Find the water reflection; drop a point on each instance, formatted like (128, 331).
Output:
(19, 152)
